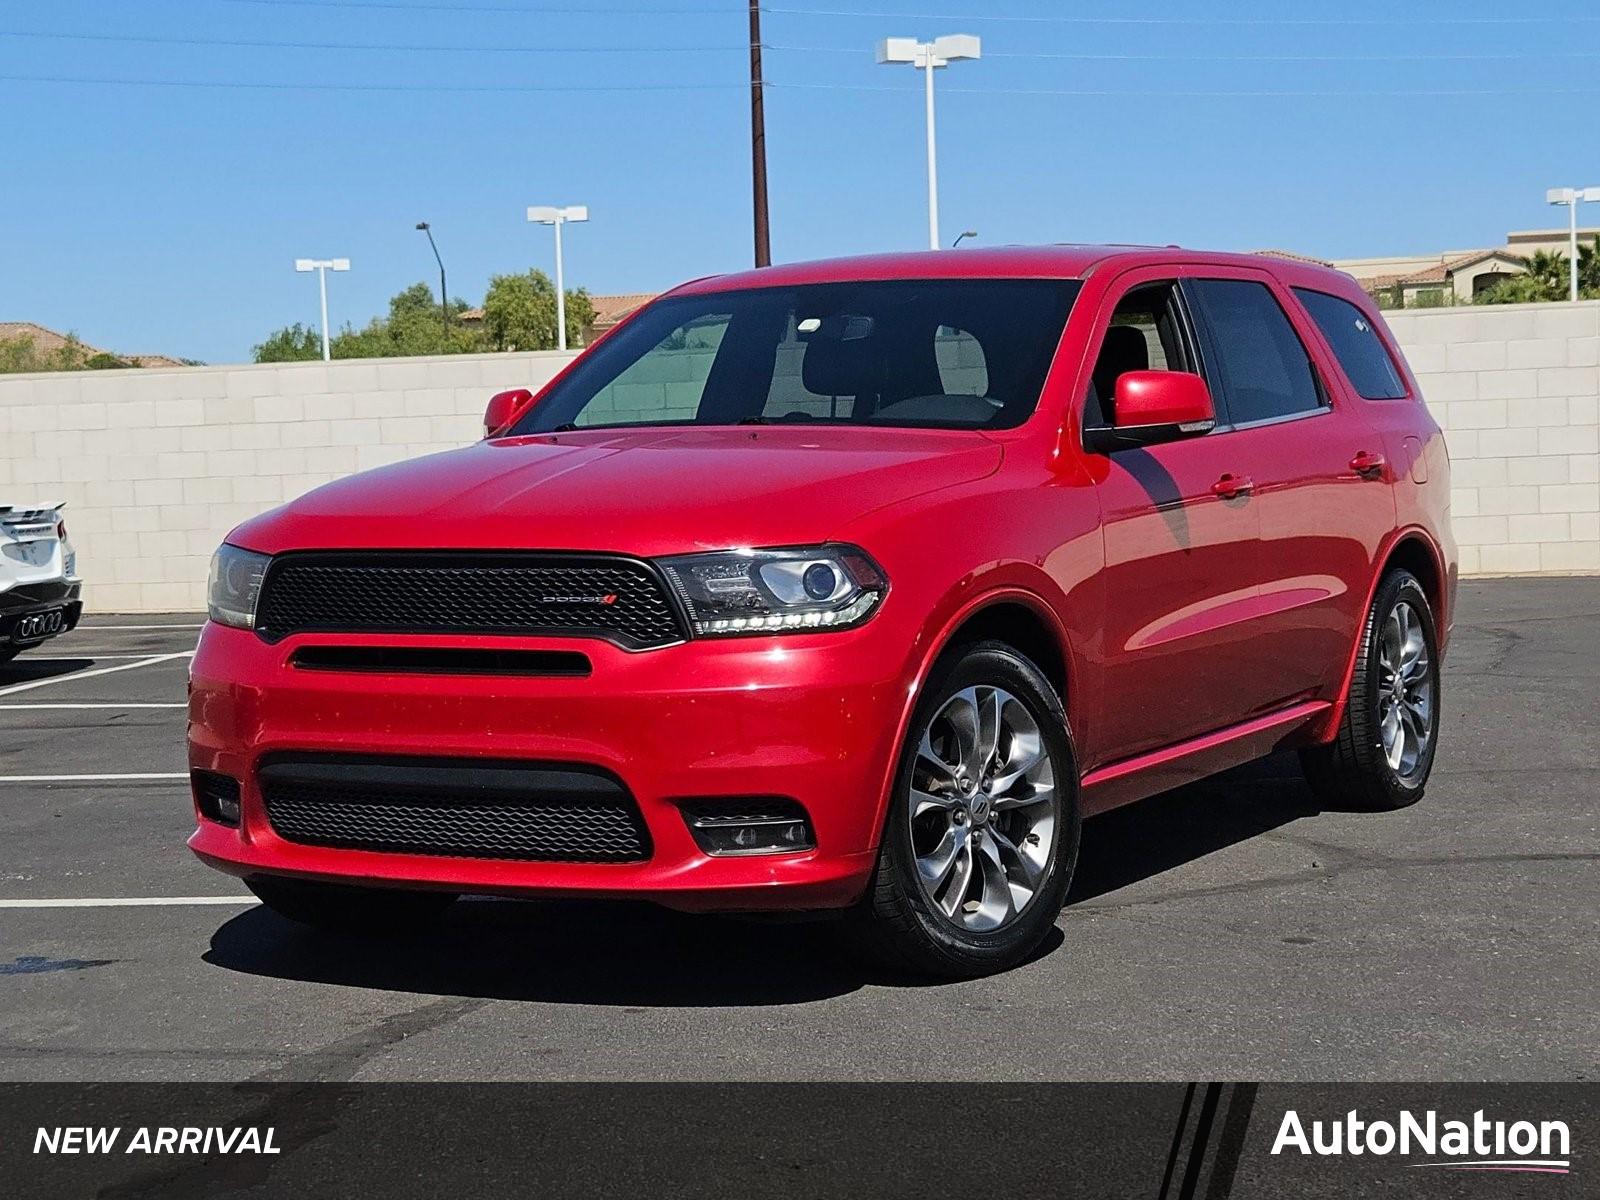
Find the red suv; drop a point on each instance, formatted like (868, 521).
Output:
(852, 585)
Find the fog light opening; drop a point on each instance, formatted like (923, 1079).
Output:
(750, 825)
(216, 796)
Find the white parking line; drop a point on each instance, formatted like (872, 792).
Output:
(83, 654)
(124, 778)
(199, 626)
(127, 901)
(143, 662)
(50, 707)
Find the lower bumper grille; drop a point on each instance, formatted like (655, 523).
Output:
(454, 808)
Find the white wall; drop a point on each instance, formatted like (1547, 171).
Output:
(157, 465)
(1516, 388)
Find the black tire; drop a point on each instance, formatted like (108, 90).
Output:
(897, 923)
(351, 911)
(7, 653)
(1353, 771)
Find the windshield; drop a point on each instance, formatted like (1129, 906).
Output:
(953, 353)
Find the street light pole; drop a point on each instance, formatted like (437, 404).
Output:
(1572, 197)
(444, 296)
(546, 215)
(927, 56)
(322, 266)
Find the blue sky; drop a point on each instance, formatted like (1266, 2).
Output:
(158, 218)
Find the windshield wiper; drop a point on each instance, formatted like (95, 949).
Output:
(757, 421)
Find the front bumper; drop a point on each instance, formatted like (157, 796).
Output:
(813, 718)
(30, 599)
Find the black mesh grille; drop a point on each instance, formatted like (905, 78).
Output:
(453, 808)
(619, 599)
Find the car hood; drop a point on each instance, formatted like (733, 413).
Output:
(643, 492)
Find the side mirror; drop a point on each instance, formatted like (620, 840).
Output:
(1156, 406)
(503, 409)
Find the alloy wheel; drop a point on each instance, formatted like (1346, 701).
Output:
(1405, 690)
(984, 808)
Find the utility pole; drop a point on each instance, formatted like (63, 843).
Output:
(758, 142)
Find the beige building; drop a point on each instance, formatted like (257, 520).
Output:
(1454, 276)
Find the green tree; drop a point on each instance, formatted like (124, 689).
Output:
(1589, 270)
(293, 343)
(1546, 279)
(519, 312)
(414, 326)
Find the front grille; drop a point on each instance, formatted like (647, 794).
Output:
(619, 599)
(454, 808)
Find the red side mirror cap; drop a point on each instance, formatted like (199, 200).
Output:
(1162, 398)
(504, 407)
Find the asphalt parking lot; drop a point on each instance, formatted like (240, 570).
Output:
(1228, 930)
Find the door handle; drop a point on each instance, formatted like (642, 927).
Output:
(1231, 486)
(1368, 466)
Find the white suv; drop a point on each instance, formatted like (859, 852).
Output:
(39, 588)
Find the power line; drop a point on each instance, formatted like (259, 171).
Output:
(532, 10)
(1075, 56)
(430, 47)
(234, 84)
(1151, 94)
(880, 14)
(742, 47)
(495, 88)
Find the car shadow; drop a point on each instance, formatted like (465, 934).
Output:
(1149, 837)
(623, 954)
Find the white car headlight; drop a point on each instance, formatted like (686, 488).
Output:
(776, 591)
(235, 586)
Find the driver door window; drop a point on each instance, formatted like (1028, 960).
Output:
(1145, 334)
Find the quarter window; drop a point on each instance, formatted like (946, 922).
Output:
(1356, 344)
(1262, 365)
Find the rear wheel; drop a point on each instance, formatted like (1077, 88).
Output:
(354, 911)
(982, 833)
(1386, 743)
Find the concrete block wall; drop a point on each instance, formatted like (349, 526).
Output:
(157, 465)
(1516, 389)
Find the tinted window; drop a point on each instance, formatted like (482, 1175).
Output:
(1355, 344)
(962, 353)
(1261, 364)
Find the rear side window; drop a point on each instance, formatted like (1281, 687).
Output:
(1356, 345)
(1261, 363)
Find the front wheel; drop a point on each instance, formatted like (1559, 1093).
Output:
(350, 911)
(1384, 751)
(982, 833)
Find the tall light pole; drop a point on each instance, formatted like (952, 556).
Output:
(322, 266)
(1571, 197)
(444, 296)
(546, 215)
(926, 57)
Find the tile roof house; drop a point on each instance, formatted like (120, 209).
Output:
(1454, 276)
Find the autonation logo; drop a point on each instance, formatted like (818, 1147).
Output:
(1476, 1145)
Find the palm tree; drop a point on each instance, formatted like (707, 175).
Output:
(1589, 270)
(1550, 268)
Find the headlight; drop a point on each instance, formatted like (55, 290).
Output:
(776, 591)
(235, 584)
